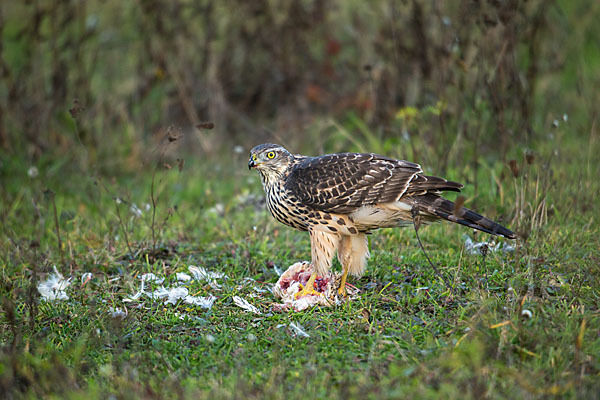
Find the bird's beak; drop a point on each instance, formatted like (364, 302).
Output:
(252, 163)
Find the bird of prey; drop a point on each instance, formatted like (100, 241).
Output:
(340, 198)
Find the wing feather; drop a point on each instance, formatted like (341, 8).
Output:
(344, 182)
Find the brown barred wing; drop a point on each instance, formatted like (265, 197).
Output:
(423, 184)
(343, 182)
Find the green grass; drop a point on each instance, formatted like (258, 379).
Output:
(405, 336)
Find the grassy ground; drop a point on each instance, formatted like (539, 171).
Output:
(523, 324)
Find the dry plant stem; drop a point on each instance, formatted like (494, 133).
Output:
(31, 297)
(154, 199)
(476, 163)
(519, 205)
(8, 306)
(443, 153)
(124, 230)
(57, 226)
(589, 153)
(117, 200)
(75, 112)
(416, 225)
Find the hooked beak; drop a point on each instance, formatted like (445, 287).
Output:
(252, 163)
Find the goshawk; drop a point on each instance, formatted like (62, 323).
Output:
(339, 198)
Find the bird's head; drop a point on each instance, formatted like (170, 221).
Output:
(271, 160)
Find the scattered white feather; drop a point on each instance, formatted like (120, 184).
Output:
(172, 295)
(218, 209)
(508, 248)
(243, 303)
(209, 338)
(482, 247)
(248, 281)
(298, 330)
(135, 296)
(201, 274)
(33, 172)
(187, 317)
(150, 277)
(260, 290)
(183, 277)
(54, 287)
(295, 329)
(117, 313)
(136, 210)
(204, 302)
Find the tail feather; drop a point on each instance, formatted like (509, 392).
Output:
(436, 205)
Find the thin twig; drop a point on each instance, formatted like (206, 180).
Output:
(416, 225)
(117, 200)
(172, 136)
(57, 227)
(32, 296)
(154, 199)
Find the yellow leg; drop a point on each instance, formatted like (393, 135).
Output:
(342, 288)
(309, 289)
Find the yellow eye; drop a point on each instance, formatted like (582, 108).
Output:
(271, 154)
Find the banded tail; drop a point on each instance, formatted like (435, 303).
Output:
(434, 204)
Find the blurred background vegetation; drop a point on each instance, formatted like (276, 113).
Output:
(124, 135)
(102, 81)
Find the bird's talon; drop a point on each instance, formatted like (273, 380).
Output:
(307, 291)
